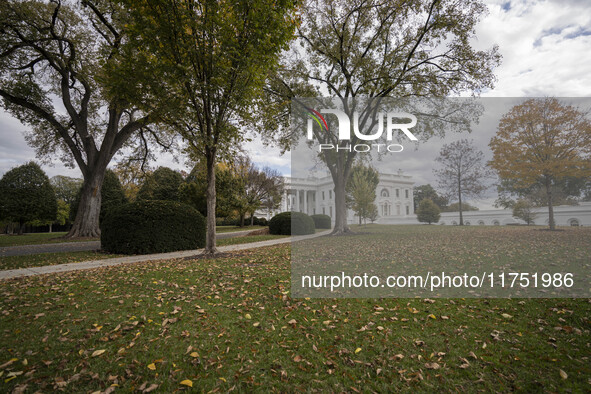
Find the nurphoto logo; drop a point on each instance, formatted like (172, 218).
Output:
(395, 121)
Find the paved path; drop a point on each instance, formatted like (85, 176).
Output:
(23, 250)
(50, 269)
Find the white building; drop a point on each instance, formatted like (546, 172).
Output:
(315, 195)
(564, 215)
(394, 199)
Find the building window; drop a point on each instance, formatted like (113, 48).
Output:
(407, 210)
(573, 223)
(496, 223)
(397, 193)
(330, 194)
(385, 193)
(314, 211)
(398, 210)
(323, 211)
(330, 208)
(406, 193)
(323, 195)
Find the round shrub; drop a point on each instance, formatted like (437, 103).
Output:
(288, 223)
(260, 221)
(152, 226)
(322, 221)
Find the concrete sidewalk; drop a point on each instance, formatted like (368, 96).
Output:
(85, 265)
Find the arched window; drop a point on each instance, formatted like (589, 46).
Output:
(481, 222)
(573, 222)
(385, 193)
(496, 223)
(467, 223)
(454, 223)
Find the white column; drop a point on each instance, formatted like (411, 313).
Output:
(305, 201)
(297, 208)
(284, 201)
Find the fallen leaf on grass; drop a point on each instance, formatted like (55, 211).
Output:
(432, 366)
(152, 366)
(97, 353)
(563, 374)
(187, 382)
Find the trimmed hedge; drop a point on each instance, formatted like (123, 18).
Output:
(152, 226)
(322, 221)
(260, 221)
(287, 223)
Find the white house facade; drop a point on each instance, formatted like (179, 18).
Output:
(394, 200)
(315, 195)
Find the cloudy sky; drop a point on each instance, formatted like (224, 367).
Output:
(546, 48)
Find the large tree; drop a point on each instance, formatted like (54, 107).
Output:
(427, 191)
(374, 49)
(462, 173)
(361, 190)
(162, 184)
(428, 212)
(26, 195)
(255, 187)
(70, 73)
(543, 141)
(112, 195)
(217, 55)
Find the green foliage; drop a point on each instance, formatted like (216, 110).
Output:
(455, 207)
(288, 223)
(523, 209)
(428, 212)
(26, 195)
(63, 212)
(112, 196)
(260, 222)
(66, 188)
(162, 184)
(152, 226)
(427, 191)
(321, 221)
(361, 190)
(62, 65)
(194, 190)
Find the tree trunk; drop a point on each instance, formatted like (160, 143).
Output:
(50, 227)
(340, 225)
(252, 219)
(86, 223)
(242, 215)
(550, 206)
(210, 247)
(460, 202)
(21, 227)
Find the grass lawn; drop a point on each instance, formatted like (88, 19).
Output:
(38, 260)
(230, 324)
(229, 229)
(38, 238)
(248, 239)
